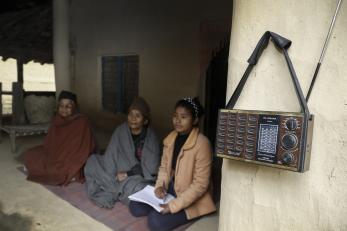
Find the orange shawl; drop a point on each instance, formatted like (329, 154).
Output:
(63, 154)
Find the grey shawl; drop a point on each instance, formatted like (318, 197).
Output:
(100, 170)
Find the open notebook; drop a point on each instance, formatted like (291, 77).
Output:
(146, 195)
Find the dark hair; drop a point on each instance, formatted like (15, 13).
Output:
(193, 105)
(67, 95)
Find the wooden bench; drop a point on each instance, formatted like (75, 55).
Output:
(23, 130)
(20, 125)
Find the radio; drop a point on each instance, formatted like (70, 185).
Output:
(275, 139)
(263, 137)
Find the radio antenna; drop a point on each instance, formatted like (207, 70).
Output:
(323, 51)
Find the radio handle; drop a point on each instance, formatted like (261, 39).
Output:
(279, 41)
(282, 44)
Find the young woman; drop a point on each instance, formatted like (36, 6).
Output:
(66, 147)
(184, 172)
(130, 162)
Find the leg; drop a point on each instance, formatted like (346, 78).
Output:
(138, 209)
(165, 222)
(99, 186)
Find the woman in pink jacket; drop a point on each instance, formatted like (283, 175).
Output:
(184, 172)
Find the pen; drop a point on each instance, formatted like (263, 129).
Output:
(165, 193)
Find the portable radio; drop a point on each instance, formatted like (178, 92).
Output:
(270, 138)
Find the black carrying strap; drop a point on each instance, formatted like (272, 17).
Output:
(282, 44)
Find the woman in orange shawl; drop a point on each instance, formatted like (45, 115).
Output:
(66, 147)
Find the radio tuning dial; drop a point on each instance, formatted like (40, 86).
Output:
(289, 141)
(288, 158)
(291, 124)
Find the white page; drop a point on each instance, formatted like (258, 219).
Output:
(146, 195)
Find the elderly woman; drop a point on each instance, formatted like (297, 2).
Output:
(66, 147)
(130, 162)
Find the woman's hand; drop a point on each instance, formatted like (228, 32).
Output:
(160, 192)
(166, 208)
(121, 176)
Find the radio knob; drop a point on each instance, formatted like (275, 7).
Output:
(289, 141)
(291, 124)
(288, 158)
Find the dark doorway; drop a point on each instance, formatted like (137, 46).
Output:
(215, 94)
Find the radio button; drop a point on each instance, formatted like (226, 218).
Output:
(291, 124)
(230, 147)
(242, 117)
(240, 142)
(242, 124)
(239, 148)
(234, 153)
(288, 158)
(241, 130)
(220, 140)
(250, 138)
(289, 141)
(232, 123)
(220, 145)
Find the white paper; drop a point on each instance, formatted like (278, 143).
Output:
(146, 195)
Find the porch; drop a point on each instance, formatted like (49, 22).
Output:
(33, 207)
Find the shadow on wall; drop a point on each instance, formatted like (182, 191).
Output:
(14, 222)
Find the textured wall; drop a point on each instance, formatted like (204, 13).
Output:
(164, 35)
(262, 198)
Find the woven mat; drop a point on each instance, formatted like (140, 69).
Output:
(118, 218)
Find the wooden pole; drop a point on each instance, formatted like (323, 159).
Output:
(0, 111)
(18, 116)
(19, 71)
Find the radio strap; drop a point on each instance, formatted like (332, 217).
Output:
(283, 44)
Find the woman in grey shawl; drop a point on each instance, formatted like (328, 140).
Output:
(130, 162)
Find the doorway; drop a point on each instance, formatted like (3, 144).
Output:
(215, 94)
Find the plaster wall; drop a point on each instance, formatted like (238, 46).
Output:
(262, 198)
(164, 34)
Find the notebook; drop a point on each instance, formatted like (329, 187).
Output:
(146, 195)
